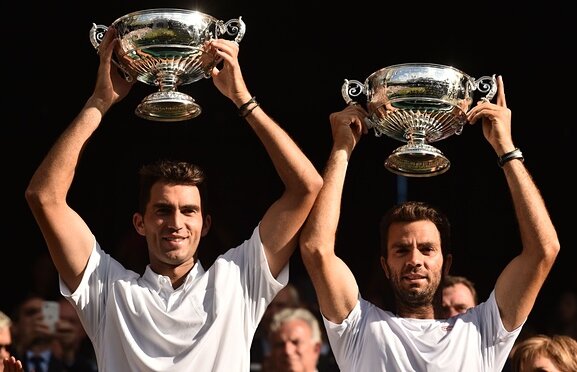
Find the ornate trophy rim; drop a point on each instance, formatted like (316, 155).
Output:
(143, 12)
(417, 64)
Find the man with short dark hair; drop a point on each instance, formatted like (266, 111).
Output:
(178, 315)
(415, 256)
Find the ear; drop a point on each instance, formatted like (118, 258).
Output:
(318, 348)
(206, 225)
(384, 267)
(138, 222)
(447, 264)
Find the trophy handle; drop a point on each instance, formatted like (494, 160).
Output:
(233, 27)
(96, 35)
(486, 84)
(354, 88)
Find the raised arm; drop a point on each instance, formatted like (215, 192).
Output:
(520, 282)
(68, 238)
(334, 283)
(282, 222)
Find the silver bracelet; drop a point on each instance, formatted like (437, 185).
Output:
(515, 154)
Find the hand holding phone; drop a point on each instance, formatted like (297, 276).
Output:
(51, 312)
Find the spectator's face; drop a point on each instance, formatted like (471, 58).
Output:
(541, 364)
(414, 262)
(30, 326)
(5, 342)
(293, 349)
(456, 300)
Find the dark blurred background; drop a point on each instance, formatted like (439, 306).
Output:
(295, 57)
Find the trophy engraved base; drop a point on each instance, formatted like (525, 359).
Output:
(417, 160)
(168, 106)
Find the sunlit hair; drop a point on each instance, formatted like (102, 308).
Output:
(412, 211)
(299, 313)
(452, 280)
(171, 173)
(5, 320)
(560, 349)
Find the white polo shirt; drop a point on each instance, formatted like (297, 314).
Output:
(371, 339)
(207, 324)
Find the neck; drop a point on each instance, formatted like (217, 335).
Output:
(415, 312)
(176, 273)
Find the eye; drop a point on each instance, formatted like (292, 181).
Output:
(426, 250)
(189, 211)
(401, 250)
(163, 211)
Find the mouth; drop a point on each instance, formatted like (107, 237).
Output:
(414, 278)
(177, 240)
(174, 238)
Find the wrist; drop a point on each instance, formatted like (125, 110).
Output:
(98, 104)
(247, 107)
(510, 155)
(242, 99)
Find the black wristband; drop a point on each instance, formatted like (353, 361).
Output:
(243, 109)
(515, 154)
(248, 111)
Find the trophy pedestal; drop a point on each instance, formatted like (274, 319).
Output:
(417, 161)
(168, 106)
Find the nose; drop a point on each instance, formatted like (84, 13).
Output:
(415, 257)
(175, 223)
(288, 347)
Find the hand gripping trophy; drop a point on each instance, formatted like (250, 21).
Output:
(167, 48)
(418, 103)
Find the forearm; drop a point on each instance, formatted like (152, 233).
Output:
(334, 283)
(538, 234)
(321, 227)
(518, 286)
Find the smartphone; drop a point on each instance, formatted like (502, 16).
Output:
(51, 312)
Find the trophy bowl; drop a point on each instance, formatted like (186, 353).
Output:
(418, 103)
(167, 48)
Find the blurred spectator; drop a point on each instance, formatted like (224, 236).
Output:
(72, 345)
(295, 340)
(7, 362)
(11, 364)
(5, 336)
(459, 295)
(33, 338)
(557, 353)
(288, 297)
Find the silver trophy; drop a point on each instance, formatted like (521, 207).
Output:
(167, 48)
(418, 103)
